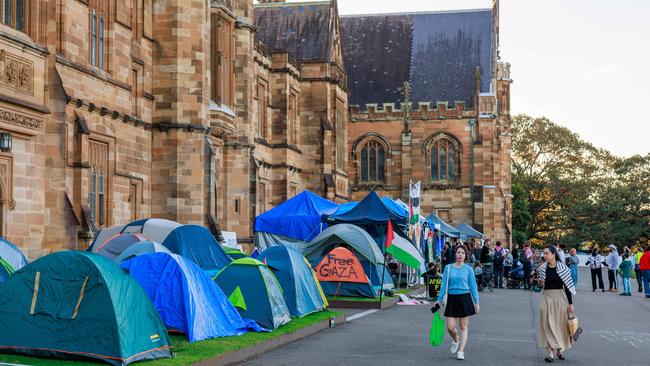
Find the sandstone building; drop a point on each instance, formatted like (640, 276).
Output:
(212, 112)
(448, 126)
(124, 109)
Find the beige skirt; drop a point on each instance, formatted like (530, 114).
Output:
(553, 320)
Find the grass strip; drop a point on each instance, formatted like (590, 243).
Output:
(407, 290)
(362, 299)
(187, 353)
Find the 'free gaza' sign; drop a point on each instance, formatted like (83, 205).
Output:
(340, 265)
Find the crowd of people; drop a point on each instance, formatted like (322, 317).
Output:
(515, 268)
(633, 259)
(554, 272)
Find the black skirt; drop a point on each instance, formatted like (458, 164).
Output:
(459, 306)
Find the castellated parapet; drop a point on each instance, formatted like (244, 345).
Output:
(417, 111)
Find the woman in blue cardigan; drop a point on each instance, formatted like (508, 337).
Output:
(459, 295)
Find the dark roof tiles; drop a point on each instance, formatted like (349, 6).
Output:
(302, 29)
(436, 52)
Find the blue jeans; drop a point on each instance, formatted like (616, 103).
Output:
(627, 285)
(646, 281)
(574, 275)
(498, 278)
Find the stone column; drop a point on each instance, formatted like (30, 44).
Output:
(181, 88)
(240, 169)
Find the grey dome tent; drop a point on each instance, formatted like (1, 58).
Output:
(359, 242)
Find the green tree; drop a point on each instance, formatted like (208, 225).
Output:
(574, 192)
(521, 217)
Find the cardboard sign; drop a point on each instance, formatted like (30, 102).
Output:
(230, 238)
(341, 265)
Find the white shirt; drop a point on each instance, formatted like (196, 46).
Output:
(560, 252)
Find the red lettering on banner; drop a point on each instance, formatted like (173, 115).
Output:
(341, 265)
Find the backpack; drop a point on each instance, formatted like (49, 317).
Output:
(498, 257)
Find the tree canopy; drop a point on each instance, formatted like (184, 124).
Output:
(568, 191)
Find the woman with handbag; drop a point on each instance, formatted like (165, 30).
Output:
(459, 295)
(556, 304)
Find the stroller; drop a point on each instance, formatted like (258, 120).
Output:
(488, 281)
(516, 279)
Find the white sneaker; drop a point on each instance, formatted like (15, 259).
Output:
(454, 346)
(460, 356)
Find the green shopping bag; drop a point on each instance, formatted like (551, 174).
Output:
(437, 332)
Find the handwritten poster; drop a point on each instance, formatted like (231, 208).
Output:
(341, 265)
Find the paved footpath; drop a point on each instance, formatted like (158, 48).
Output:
(616, 332)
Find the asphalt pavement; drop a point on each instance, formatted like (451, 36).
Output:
(616, 332)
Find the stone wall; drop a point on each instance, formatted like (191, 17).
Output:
(408, 157)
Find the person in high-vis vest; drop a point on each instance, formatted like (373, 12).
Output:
(637, 252)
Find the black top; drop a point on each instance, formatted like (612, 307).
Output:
(485, 253)
(554, 282)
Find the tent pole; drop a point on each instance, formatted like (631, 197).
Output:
(381, 290)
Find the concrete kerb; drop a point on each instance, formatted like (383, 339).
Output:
(351, 304)
(387, 303)
(244, 354)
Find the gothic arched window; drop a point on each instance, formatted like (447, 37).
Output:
(445, 155)
(96, 31)
(373, 162)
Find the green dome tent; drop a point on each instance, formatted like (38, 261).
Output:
(255, 292)
(79, 305)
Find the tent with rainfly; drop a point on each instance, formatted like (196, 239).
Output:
(112, 247)
(364, 248)
(296, 221)
(141, 248)
(79, 305)
(186, 297)
(11, 259)
(341, 273)
(301, 288)
(255, 291)
(191, 241)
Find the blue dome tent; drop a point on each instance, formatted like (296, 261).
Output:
(301, 289)
(186, 297)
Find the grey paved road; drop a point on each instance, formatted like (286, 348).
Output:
(616, 332)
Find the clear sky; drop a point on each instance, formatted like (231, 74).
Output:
(585, 64)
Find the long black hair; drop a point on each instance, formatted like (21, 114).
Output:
(553, 249)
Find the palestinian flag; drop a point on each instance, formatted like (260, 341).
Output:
(403, 250)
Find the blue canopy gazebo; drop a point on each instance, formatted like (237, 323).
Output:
(372, 214)
(444, 230)
(295, 222)
(467, 232)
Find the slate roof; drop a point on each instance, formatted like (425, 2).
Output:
(437, 52)
(302, 29)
